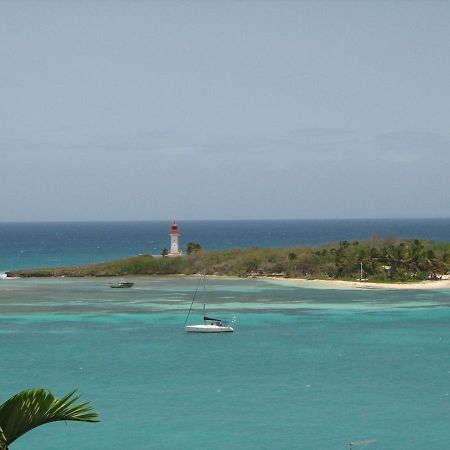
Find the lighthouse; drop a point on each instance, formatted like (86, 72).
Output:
(174, 250)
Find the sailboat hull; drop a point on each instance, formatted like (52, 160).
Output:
(208, 328)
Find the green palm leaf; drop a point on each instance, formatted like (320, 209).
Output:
(3, 442)
(31, 408)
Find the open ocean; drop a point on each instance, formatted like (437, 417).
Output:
(307, 368)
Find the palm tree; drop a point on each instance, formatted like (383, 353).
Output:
(192, 247)
(30, 408)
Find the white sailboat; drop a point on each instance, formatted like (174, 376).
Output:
(209, 325)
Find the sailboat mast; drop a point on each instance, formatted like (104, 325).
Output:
(193, 298)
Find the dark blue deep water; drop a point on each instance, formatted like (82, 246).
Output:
(53, 244)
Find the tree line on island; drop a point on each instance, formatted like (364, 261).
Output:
(377, 259)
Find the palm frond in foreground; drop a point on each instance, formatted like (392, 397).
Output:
(34, 407)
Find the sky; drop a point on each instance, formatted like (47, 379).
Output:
(152, 110)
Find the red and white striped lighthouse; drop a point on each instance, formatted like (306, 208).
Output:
(174, 233)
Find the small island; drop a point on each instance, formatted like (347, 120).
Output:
(380, 260)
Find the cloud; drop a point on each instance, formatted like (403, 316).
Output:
(410, 146)
(64, 140)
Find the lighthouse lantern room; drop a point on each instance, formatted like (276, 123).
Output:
(174, 233)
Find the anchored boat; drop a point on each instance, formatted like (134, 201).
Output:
(209, 325)
(122, 284)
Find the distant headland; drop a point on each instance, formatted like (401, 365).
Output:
(378, 260)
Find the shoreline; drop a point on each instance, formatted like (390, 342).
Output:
(364, 285)
(299, 282)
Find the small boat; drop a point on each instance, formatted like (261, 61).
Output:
(209, 325)
(122, 284)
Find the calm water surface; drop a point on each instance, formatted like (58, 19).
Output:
(306, 368)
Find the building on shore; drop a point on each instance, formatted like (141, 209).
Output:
(174, 235)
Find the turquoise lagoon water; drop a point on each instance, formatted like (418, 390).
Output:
(306, 368)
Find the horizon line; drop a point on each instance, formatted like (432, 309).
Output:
(42, 221)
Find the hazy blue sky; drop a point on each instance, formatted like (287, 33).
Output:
(226, 109)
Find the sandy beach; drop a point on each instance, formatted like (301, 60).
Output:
(338, 284)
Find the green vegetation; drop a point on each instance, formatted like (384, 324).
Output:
(136, 265)
(192, 247)
(32, 408)
(383, 259)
